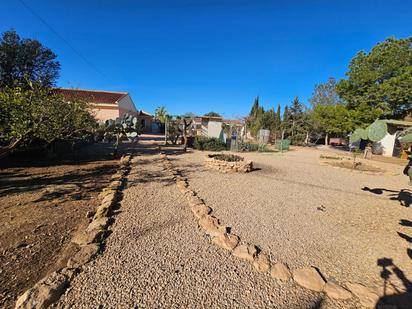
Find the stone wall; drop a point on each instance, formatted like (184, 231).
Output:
(241, 166)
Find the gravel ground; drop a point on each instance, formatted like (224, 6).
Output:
(157, 257)
(306, 213)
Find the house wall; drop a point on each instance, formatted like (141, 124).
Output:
(146, 122)
(104, 112)
(388, 143)
(126, 106)
(214, 128)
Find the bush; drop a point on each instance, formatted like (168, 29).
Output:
(208, 143)
(246, 147)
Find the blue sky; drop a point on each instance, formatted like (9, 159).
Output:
(198, 56)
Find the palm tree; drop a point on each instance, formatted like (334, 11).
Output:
(161, 114)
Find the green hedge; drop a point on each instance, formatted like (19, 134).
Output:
(208, 143)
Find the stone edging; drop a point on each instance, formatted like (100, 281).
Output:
(308, 277)
(49, 289)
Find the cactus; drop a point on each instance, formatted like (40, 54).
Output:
(126, 128)
(377, 130)
(405, 137)
(359, 134)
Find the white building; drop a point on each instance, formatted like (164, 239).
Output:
(389, 145)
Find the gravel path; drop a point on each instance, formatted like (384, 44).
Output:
(309, 214)
(157, 257)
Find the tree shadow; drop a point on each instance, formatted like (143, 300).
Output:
(70, 183)
(404, 196)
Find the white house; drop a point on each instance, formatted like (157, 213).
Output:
(389, 145)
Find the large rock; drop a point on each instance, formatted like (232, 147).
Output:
(182, 184)
(194, 200)
(309, 278)
(335, 291)
(86, 238)
(245, 252)
(261, 262)
(125, 160)
(189, 192)
(367, 296)
(83, 256)
(211, 225)
(201, 210)
(110, 198)
(102, 211)
(115, 184)
(226, 241)
(46, 292)
(105, 192)
(117, 176)
(280, 271)
(97, 224)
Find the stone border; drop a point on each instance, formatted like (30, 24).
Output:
(309, 277)
(227, 166)
(49, 289)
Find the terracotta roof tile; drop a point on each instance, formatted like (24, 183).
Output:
(92, 96)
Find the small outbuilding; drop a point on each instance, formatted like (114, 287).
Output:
(389, 146)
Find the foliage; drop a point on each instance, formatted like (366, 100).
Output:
(260, 119)
(40, 114)
(208, 143)
(173, 130)
(296, 122)
(381, 79)
(375, 132)
(325, 94)
(227, 157)
(246, 147)
(161, 114)
(26, 60)
(332, 119)
(212, 114)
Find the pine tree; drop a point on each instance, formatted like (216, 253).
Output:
(278, 119)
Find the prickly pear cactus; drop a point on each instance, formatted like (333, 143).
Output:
(362, 133)
(354, 138)
(126, 128)
(377, 130)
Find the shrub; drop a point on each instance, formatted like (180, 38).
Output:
(246, 147)
(208, 143)
(226, 157)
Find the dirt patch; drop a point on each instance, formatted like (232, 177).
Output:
(357, 166)
(41, 208)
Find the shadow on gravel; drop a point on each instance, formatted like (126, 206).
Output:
(115, 209)
(404, 196)
(402, 299)
(317, 304)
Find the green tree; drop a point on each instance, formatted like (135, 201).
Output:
(24, 60)
(212, 114)
(296, 122)
(335, 120)
(254, 121)
(325, 94)
(278, 118)
(381, 79)
(161, 114)
(37, 113)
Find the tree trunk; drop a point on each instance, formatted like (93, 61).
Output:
(307, 138)
(185, 126)
(4, 152)
(327, 139)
